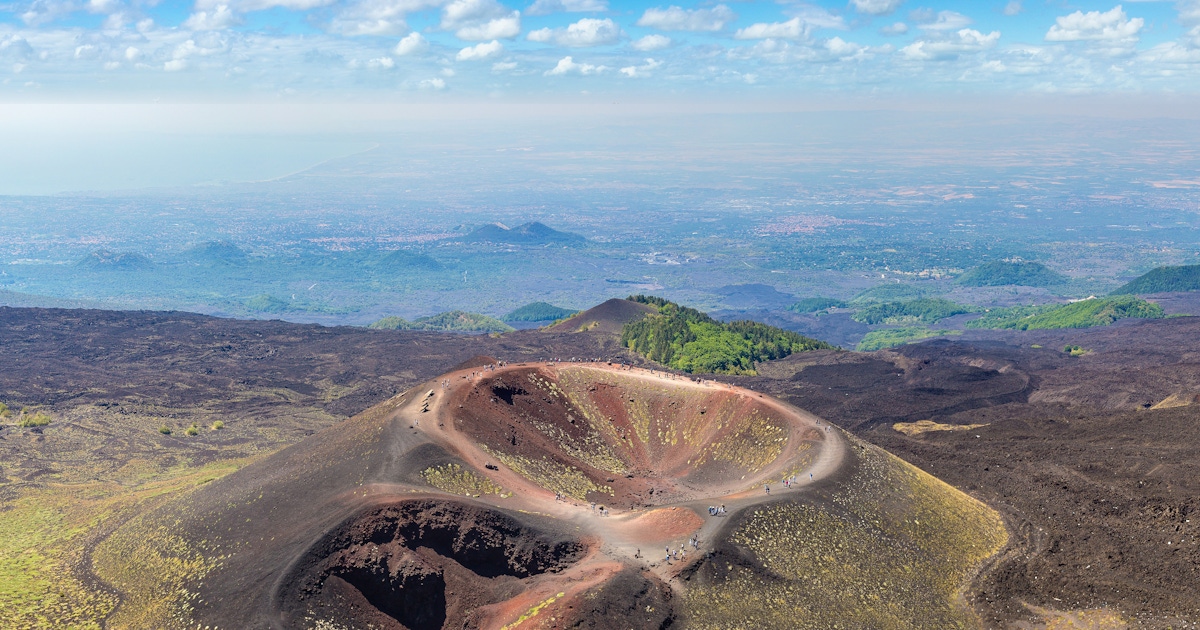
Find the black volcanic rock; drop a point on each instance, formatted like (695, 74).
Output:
(532, 233)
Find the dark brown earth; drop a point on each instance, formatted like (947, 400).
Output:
(1098, 488)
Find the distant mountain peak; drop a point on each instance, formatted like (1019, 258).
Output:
(531, 233)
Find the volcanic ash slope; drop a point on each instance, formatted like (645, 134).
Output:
(545, 496)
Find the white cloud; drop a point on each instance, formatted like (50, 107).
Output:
(499, 28)
(132, 54)
(794, 28)
(245, 6)
(216, 19)
(1170, 53)
(175, 65)
(432, 84)
(876, 7)
(86, 51)
(546, 7)
(585, 32)
(899, 28)
(1110, 26)
(651, 42)
(376, 17)
(817, 17)
(567, 65)
(674, 18)
(15, 47)
(504, 66)
(844, 50)
(942, 21)
(1013, 8)
(479, 52)
(410, 44)
(963, 42)
(1189, 11)
(480, 20)
(382, 63)
(642, 71)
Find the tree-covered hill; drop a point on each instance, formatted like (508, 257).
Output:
(1081, 314)
(924, 310)
(539, 312)
(1163, 280)
(450, 321)
(687, 339)
(814, 304)
(1028, 274)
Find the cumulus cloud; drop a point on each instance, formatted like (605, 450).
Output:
(246, 6)
(381, 63)
(217, 18)
(651, 42)
(1189, 11)
(504, 66)
(940, 21)
(546, 7)
(480, 20)
(412, 43)
(1013, 7)
(479, 52)
(175, 65)
(642, 71)
(898, 28)
(1110, 26)
(585, 32)
(376, 17)
(675, 18)
(965, 41)
(794, 28)
(499, 28)
(15, 48)
(432, 84)
(1170, 53)
(567, 65)
(876, 7)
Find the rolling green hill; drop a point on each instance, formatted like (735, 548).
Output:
(814, 304)
(688, 340)
(538, 312)
(924, 310)
(889, 293)
(1081, 314)
(450, 321)
(1163, 280)
(1028, 274)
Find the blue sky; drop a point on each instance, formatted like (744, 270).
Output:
(222, 50)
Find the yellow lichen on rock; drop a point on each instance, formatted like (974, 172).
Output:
(893, 548)
(455, 479)
(913, 429)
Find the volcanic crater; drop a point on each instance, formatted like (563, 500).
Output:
(555, 495)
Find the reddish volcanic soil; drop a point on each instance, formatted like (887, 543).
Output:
(569, 482)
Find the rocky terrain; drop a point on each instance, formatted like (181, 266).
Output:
(1089, 460)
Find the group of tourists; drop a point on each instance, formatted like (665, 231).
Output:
(716, 511)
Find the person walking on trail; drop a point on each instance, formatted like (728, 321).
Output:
(768, 489)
